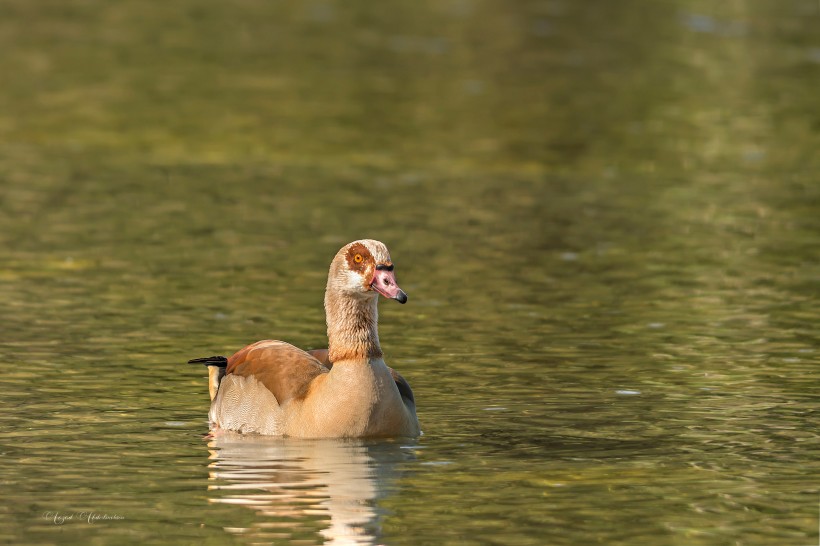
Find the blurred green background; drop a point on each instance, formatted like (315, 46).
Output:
(606, 216)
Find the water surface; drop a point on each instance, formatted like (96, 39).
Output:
(607, 219)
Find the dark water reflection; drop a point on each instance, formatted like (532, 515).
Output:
(606, 215)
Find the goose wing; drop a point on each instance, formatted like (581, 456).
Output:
(285, 370)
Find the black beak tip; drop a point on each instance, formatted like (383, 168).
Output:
(401, 297)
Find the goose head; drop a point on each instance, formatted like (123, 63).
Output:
(363, 270)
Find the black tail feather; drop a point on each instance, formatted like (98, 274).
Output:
(218, 361)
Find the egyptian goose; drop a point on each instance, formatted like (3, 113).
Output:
(344, 391)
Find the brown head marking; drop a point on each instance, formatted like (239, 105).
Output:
(358, 258)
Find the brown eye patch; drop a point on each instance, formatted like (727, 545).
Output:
(358, 257)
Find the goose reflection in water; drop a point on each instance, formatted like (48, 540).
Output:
(311, 491)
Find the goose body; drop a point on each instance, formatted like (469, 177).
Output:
(271, 387)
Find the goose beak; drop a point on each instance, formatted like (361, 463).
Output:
(384, 282)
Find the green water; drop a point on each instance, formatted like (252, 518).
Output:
(606, 216)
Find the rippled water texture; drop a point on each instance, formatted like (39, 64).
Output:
(606, 216)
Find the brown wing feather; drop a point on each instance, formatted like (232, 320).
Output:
(285, 370)
(321, 356)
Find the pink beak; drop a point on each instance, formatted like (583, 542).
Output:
(384, 282)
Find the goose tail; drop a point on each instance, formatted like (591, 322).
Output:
(216, 371)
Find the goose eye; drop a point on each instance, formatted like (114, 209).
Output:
(358, 258)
